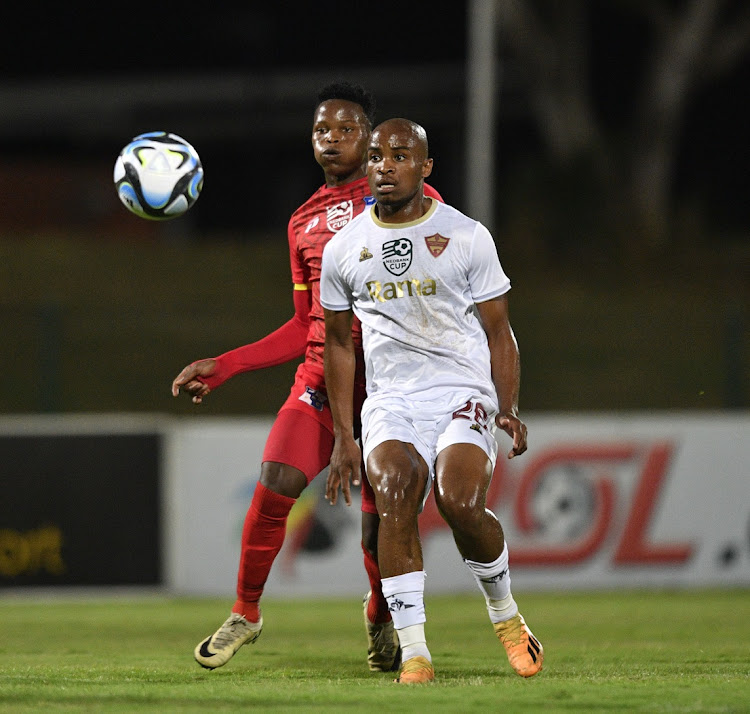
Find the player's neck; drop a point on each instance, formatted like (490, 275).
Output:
(407, 212)
(332, 180)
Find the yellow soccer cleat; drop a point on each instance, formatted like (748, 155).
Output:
(417, 670)
(383, 649)
(525, 652)
(220, 647)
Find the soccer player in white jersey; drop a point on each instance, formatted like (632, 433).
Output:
(443, 371)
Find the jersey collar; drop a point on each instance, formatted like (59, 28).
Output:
(416, 222)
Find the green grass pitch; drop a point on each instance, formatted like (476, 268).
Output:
(644, 651)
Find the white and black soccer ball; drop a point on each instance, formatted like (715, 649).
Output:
(158, 175)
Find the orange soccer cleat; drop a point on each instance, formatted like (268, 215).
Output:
(417, 670)
(525, 652)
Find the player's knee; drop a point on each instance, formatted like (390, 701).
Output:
(394, 463)
(282, 479)
(370, 527)
(461, 514)
(398, 493)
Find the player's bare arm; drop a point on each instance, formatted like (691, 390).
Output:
(188, 382)
(339, 375)
(506, 369)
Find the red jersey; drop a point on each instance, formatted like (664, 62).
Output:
(310, 227)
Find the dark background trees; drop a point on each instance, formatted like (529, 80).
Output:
(620, 192)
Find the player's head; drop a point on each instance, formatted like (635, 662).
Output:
(397, 161)
(351, 93)
(341, 128)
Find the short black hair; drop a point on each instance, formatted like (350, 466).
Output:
(351, 93)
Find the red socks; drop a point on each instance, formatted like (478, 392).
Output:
(377, 608)
(249, 610)
(262, 538)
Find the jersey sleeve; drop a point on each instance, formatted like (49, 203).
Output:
(299, 274)
(487, 278)
(335, 294)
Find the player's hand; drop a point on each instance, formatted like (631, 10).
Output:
(344, 470)
(189, 379)
(516, 430)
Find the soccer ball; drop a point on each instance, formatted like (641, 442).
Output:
(158, 175)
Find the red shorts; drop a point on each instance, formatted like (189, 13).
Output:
(302, 433)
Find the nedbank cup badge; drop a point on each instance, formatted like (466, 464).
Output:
(339, 215)
(397, 255)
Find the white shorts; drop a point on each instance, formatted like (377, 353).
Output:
(430, 426)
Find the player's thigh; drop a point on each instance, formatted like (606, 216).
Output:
(462, 476)
(399, 447)
(299, 440)
(399, 477)
(466, 454)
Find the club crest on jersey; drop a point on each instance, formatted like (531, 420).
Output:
(314, 398)
(397, 255)
(436, 244)
(339, 215)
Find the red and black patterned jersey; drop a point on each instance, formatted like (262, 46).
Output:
(311, 226)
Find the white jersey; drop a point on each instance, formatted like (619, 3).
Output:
(414, 286)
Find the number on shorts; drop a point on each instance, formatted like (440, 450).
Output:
(473, 411)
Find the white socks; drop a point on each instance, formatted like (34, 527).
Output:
(405, 597)
(494, 582)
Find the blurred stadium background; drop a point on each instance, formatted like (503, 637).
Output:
(604, 143)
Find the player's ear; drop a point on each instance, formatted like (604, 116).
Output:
(426, 168)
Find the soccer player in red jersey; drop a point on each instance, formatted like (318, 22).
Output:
(300, 443)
